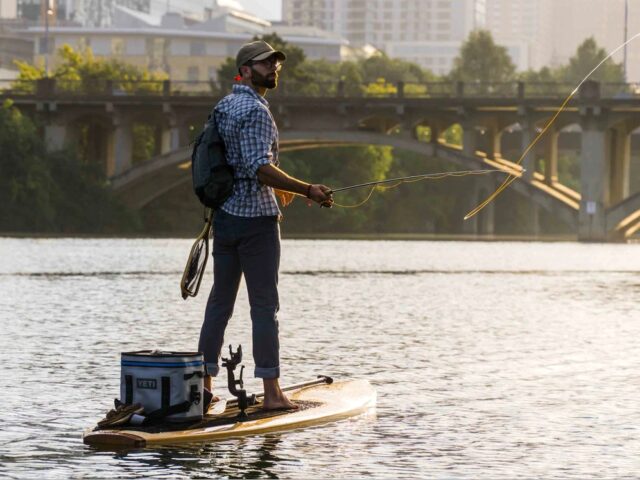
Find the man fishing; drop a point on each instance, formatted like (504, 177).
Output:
(247, 232)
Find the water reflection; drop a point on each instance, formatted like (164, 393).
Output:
(490, 360)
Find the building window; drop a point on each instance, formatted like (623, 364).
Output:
(117, 46)
(135, 46)
(157, 52)
(138, 5)
(197, 49)
(193, 74)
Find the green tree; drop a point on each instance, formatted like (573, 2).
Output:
(482, 61)
(544, 75)
(337, 167)
(50, 192)
(393, 70)
(426, 206)
(79, 70)
(376, 75)
(587, 57)
(227, 71)
(26, 186)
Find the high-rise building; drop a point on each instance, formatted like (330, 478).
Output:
(602, 20)
(100, 13)
(8, 8)
(34, 10)
(524, 27)
(428, 32)
(552, 30)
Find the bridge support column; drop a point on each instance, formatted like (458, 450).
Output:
(121, 153)
(469, 138)
(170, 137)
(486, 217)
(551, 156)
(495, 136)
(535, 220)
(484, 222)
(529, 161)
(55, 137)
(594, 180)
(620, 162)
(436, 132)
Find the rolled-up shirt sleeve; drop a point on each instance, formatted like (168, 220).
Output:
(257, 136)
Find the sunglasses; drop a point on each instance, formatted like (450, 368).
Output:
(268, 62)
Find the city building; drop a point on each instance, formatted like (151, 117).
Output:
(186, 49)
(427, 32)
(602, 20)
(524, 27)
(8, 8)
(12, 48)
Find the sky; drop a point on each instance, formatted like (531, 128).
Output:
(267, 9)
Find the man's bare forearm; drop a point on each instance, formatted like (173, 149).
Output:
(274, 177)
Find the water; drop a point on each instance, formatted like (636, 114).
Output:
(491, 360)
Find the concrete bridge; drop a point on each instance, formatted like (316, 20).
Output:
(488, 116)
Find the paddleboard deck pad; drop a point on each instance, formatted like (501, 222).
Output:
(317, 404)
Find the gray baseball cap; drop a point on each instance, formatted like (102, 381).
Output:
(258, 50)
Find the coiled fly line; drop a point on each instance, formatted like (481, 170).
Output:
(395, 182)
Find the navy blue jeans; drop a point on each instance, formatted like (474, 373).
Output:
(249, 246)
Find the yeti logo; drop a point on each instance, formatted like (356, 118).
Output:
(149, 383)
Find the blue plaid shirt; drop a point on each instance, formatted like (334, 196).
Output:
(251, 140)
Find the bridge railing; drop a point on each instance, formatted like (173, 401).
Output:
(51, 87)
(545, 89)
(620, 90)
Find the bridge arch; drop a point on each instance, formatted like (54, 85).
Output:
(379, 123)
(91, 134)
(142, 184)
(510, 141)
(623, 219)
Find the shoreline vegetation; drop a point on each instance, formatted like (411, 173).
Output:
(65, 193)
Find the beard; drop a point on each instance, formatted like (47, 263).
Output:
(266, 81)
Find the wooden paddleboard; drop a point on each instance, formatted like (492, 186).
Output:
(318, 404)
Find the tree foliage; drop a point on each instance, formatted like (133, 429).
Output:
(586, 58)
(481, 60)
(588, 55)
(79, 70)
(372, 76)
(50, 192)
(337, 167)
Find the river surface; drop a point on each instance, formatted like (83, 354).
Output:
(490, 360)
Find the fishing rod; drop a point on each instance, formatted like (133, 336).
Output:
(459, 173)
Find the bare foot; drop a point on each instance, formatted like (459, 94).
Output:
(274, 398)
(279, 403)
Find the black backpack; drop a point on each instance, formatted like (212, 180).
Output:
(212, 175)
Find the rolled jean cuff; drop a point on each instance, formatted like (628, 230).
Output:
(212, 369)
(273, 372)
